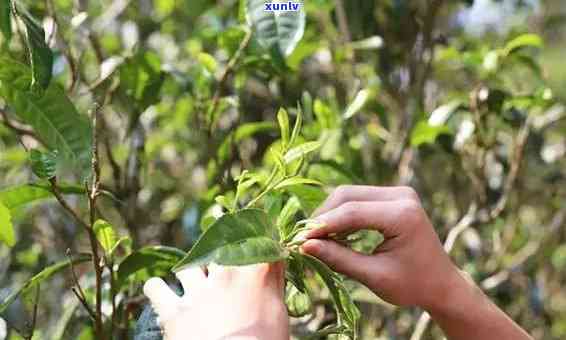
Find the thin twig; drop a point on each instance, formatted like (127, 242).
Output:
(84, 303)
(77, 289)
(92, 196)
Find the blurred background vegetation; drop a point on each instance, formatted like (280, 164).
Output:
(462, 100)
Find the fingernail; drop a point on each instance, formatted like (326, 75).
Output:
(312, 247)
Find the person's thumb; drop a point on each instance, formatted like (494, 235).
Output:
(163, 300)
(341, 259)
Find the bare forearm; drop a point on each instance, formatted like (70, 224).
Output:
(467, 314)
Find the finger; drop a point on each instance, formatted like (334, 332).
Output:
(340, 259)
(388, 217)
(163, 300)
(361, 193)
(192, 279)
(223, 273)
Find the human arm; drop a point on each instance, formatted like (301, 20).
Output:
(410, 268)
(235, 303)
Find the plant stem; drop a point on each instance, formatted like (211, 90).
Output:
(92, 196)
(267, 188)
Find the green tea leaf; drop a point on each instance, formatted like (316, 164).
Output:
(358, 103)
(525, 40)
(141, 80)
(17, 196)
(45, 274)
(424, 133)
(40, 55)
(43, 164)
(52, 115)
(283, 119)
(296, 181)
(148, 262)
(310, 197)
(298, 303)
(105, 234)
(240, 238)
(297, 127)
(290, 209)
(348, 314)
(124, 241)
(6, 19)
(276, 30)
(6, 227)
(301, 150)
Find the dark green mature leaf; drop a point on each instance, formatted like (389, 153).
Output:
(6, 227)
(17, 196)
(241, 238)
(45, 274)
(43, 164)
(148, 262)
(51, 114)
(6, 19)
(276, 30)
(348, 312)
(40, 55)
(141, 79)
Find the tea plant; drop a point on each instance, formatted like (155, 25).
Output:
(261, 226)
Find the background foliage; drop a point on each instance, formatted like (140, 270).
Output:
(462, 100)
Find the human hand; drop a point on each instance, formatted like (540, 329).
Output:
(410, 267)
(236, 303)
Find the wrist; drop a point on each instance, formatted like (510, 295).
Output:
(455, 289)
(457, 295)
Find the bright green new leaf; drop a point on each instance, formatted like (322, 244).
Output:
(148, 262)
(424, 133)
(298, 303)
(240, 238)
(52, 115)
(297, 127)
(6, 19)
(301, 150)
(40, 55)
(358, 103)
(6, 227)
(296, 181)
(289, 210)
(45, 274)
(525, 40)
(279, 30)
(105, 234)
(441, 114)
(283, 119)
(43, 164)
(124, 241)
